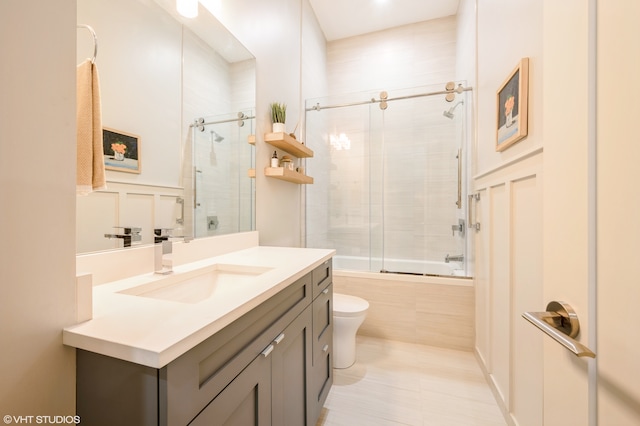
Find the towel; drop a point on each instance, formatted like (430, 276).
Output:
(90, 174)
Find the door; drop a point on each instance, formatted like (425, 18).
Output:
(591, 228)
(223, 191)
(246, 401)
(291, 368)
(568, 209)
(618, 175)
(417, 189)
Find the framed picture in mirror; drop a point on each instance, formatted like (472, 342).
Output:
(121, 150)
(512, 103)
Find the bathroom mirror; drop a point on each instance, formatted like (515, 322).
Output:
(159, 75)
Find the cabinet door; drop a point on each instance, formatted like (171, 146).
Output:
(322, 369)
(291, 366)
(246, 401)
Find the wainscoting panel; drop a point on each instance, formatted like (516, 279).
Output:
(125, 205)
(509, 282)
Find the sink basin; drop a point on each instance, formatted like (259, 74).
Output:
(201, 284)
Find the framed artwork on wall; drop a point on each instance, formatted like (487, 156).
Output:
(512, 107)
(121, 151)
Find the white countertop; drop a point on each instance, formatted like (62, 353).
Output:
(154, 332)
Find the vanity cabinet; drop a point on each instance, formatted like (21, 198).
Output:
(272, 366)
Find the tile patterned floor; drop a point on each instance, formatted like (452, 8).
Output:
(396, 383)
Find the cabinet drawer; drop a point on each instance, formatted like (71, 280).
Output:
(192, 380)
(321, 277)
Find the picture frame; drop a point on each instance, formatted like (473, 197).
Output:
(512, 107)
(121, 151)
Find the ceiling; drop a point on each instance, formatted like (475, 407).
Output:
(347, 18)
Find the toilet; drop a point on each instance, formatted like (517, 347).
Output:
(348, 314)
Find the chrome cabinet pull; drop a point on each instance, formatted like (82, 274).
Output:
(325, 291)
(561, 323)
(279, 339)
(325, 348)
(265, 353)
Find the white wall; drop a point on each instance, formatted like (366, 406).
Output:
(508, 267)
(507, 32)
(37, 189)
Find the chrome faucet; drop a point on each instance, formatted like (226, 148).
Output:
(129, 235)
(163, 262)
(163, 253)
(458, 258)
(458, 228)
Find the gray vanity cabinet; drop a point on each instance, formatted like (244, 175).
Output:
(272, 389)
(272, 366)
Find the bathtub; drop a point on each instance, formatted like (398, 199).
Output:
(436, 309)
(360, 263)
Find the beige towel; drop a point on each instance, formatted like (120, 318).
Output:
(90, 175)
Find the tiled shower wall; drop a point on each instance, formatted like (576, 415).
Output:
(420, 146)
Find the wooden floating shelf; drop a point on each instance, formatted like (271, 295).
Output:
(251, 139)
(287, 143)
(288, 175)
(251, 173)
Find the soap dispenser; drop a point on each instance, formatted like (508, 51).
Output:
(274, 159)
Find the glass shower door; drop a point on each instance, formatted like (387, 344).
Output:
(223, 190)
(388, 181)
(418, 184)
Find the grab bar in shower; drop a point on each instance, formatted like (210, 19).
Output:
(459, 157)
(561, 323)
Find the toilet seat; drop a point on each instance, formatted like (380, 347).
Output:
(345, 305)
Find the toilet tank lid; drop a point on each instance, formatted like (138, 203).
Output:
(346, 303)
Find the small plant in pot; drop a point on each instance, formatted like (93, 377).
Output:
(278, 116)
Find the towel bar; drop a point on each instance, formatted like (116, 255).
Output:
(561, 323)
(95, 40)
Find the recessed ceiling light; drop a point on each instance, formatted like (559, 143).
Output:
(187, 8)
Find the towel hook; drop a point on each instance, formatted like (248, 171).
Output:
(95, 41)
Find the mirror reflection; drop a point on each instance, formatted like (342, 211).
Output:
(159, 74)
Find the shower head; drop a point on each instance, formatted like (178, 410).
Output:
(216, 137)
(449, 113)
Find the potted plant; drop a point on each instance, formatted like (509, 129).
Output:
(278, 116)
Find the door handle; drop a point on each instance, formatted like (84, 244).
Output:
(560, 322)
(470, 222)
